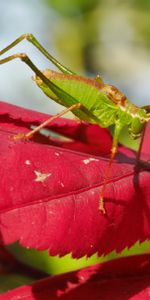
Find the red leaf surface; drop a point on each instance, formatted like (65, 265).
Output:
(85, 137)
(120, 279)
(49, 195)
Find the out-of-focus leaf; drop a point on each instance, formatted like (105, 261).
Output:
(41, 260)
(122, 279)
(74, 7)
(49, 196)
(13, 279)
(14, 273)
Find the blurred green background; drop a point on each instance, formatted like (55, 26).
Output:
(106, 37)
(109, 37)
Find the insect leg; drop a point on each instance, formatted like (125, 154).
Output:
(29, 37)
(44, 124)
(140, 146)
(118, 128)
(58, 91)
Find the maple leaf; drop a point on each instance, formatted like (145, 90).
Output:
(59, 211)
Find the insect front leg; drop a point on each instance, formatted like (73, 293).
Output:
(118, 128)
(48, 121)
(30, 37)
(58, 91)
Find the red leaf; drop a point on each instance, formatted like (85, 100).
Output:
(121, 279)
(86, 137)
(49, 196)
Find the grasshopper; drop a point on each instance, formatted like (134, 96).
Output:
(91, 100)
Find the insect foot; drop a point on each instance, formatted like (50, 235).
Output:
(102, 205)
(20, 136)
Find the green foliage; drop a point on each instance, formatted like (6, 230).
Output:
(73, 7)
(12, 280)
(144, 5)
(41, 260)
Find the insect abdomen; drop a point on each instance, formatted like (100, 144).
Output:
(85, 91)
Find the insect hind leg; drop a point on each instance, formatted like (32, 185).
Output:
(30, 38)
(114, 148)
(55, 88)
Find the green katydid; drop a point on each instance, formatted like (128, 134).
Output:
(89, 99)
